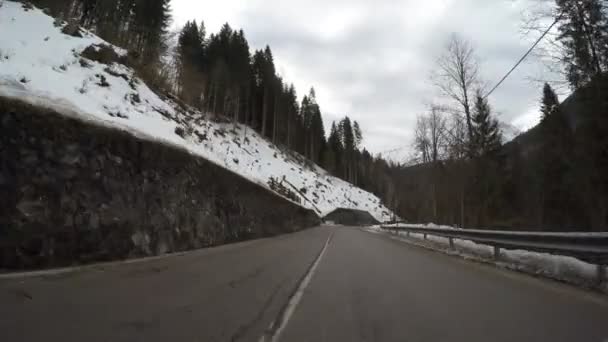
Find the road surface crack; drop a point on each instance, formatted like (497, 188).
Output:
(276, 327)
(242, 330)
(234, 283)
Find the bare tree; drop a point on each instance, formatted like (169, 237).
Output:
(437, 130)
(456, 137)
(422, 142)
(430, 141)
(457, 149)
(457, 74)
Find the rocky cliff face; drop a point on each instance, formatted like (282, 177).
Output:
(73, 192)
(350, 217)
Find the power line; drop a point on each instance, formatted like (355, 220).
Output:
(525, 55)
(507, 74)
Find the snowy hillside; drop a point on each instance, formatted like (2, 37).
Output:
(42, 65)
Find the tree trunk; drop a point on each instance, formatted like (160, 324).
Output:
(275, 119)
(289, 128)
(434, 196)
(596, 60)
(462, 207)
(467, 111)
(265, 111)
(215, 101)
(237, 112)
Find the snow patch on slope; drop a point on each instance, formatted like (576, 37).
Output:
(41, 65)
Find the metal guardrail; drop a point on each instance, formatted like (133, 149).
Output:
(588, 247)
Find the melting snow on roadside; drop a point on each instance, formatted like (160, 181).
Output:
(553, 266)
(41, 65)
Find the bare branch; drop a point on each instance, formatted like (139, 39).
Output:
(457, 74)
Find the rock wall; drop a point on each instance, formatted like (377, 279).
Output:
(350, 217)
(73, 192)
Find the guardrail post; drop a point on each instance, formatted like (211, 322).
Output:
(496, 252)
(451, 243)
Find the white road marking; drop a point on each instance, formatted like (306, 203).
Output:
(102, 266)
(91, 267)
(276, 328)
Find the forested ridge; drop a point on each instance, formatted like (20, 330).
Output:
(220, 75)
(551, 178)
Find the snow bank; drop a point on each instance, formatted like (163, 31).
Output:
(558, 267)
(41, 65)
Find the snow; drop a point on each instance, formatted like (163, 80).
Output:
(41, 65)
(558, 267)
(519, 232)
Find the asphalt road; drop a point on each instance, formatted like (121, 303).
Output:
(365, 287)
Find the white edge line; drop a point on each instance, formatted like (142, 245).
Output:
(89, 267)
(295, 299)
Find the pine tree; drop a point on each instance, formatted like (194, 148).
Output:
(357, 134)
(190, 54)
(291, 110)
(549, 103)
(348, 142)
(268, 80)
(306, 119)
(314, 132)
(555, 170)
(486, 133)
(318, 134)
(334, 150)
(484, 148)
(149, 24)
(584, 35)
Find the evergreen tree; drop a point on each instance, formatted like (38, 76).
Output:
(555, 169)
(333, 152)
(313, 126)
(486, 133)
(584, 38)
(269, 84)
(584, 35)
(306, 119)
(291, 110)
(357, 134)
(348, 142)
(347, 134)
(190, 54)
(485, 147)
(149, 24)
(549, 104)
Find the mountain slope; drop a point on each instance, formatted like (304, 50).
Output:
(43, 66)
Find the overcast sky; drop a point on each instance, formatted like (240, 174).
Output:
(371, 60)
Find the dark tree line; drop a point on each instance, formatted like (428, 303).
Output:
(218, 74)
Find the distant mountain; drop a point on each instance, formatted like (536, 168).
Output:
(575, 111)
